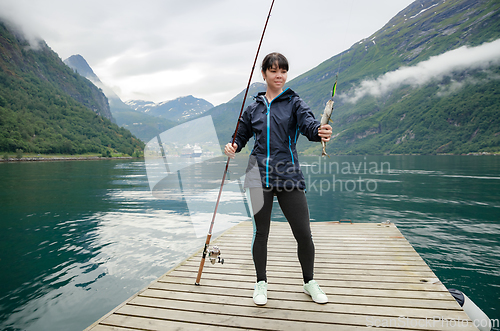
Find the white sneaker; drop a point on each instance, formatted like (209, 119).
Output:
(312, 288)
(260, 293)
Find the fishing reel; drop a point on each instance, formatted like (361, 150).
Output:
(214, 255)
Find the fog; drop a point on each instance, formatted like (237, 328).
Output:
(435, 68)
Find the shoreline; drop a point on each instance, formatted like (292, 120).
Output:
(101, 158)
(64, 158)
(468, 154)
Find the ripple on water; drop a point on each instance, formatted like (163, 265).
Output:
(125, 250)
(87, 260)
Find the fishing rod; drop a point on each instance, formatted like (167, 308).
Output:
(216, 251)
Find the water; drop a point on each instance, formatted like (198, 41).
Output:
(78, 238)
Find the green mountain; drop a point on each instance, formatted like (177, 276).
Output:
(413, 94)
(402, 90)
(225, 115)
(143, 126)
(45, 107)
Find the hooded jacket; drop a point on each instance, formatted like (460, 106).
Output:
(276, 126)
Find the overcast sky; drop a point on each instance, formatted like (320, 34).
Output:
(159, 50)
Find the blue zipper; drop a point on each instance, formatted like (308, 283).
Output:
(269, 133)
(295, 142)
(268, 142)
(254, 142)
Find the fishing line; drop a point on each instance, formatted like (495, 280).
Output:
(209, 235)
(345, 36)
(329, 104)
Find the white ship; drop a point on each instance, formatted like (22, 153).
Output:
(191, 151)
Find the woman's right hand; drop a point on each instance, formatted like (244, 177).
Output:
(230, 151)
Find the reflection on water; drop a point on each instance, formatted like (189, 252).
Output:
(79, 238)
(448, 207)
(77, 246)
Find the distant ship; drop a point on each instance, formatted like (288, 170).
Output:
(191, 151)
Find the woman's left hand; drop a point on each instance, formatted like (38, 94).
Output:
(325, 132)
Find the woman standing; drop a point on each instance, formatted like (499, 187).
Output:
(275, 119)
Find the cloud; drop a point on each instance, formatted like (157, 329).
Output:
(150, 48)
(8, 14)
(437, 67)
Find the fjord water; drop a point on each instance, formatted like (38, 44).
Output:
(78, 238)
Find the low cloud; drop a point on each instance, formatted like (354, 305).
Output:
(20, 31)
(161, 49)
(436, 68)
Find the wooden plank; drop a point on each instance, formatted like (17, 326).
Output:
(338, 307)
(337, 250)
(332, 249)
(347, 237)
(297, 296)
(291, 251)
(373, 263)
(147, 323)
(437, 295)
(331, 243)
(361, 275)
(374, 284)
(254, 315)
(327, 258)
(101, 327)
(331, 266)
(247, 319)
(369, 271)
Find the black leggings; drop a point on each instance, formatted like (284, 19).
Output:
(294, 206)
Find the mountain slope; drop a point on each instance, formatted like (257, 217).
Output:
(425, 28)
(225, 115)
(141, 125)
(430, 111)
(413, 117)
(46, 108)
(180, 109)
(80, 66)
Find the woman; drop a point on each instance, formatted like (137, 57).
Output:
(275, 119)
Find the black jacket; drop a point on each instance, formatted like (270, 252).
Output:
(276, 127)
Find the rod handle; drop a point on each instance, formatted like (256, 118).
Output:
(202, 262)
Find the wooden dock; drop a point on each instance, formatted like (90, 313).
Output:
(371, 274)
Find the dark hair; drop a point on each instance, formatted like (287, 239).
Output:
(272, 58)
